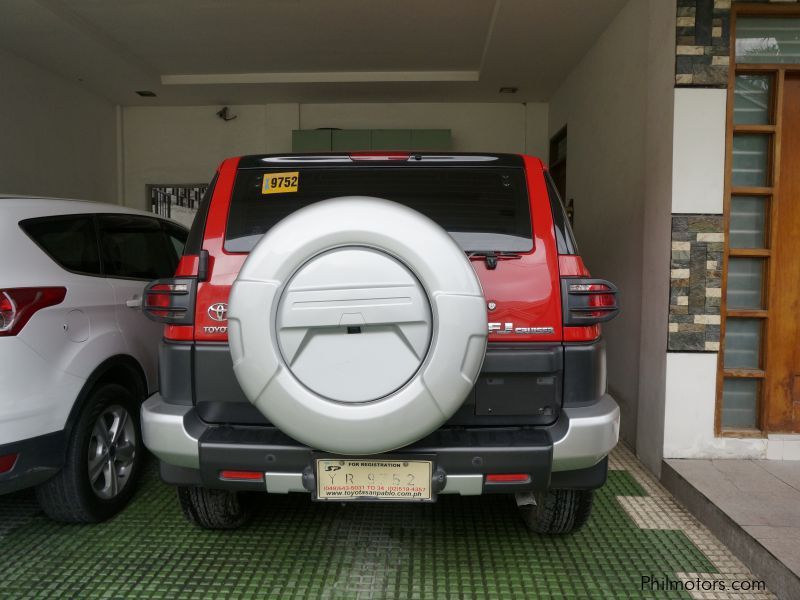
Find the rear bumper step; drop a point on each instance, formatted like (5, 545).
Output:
(460, 458)
(194, 452)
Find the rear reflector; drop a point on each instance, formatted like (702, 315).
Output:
(508, 478)
(18, 305)
(242, 475)
(7, 462)
(179, 333)
(581, 334)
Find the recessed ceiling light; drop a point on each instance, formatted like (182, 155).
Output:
(146, 93)
(508, 90)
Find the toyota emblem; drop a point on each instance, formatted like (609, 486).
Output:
(218, 311)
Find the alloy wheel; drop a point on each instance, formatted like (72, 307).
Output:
(112, 451)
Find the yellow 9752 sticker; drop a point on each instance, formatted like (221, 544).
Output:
(280, 183)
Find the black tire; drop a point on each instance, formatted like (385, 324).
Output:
(558, 511)
(69, 496)
(214, 509)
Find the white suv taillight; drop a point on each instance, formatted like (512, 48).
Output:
(18, 305)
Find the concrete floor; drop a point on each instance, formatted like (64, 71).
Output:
(474, 547)
(761, 497)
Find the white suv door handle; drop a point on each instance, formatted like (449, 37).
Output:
(134, 303)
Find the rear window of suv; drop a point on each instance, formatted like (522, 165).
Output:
(484, 209)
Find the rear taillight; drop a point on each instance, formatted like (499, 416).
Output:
(170, 301)
(18, 305)
(588, 301)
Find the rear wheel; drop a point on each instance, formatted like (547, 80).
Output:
(214, 509)
(102, 462)
(558, 511)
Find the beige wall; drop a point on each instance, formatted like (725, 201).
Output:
(56, 139)
(657, 232)
(185, 144)
(480, 127)
(617, 105)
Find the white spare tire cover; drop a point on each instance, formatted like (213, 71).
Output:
(357, 325)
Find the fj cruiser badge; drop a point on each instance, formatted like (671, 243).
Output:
(509, 328)
(218, 311)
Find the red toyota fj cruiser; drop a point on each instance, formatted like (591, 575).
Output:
(384, 327)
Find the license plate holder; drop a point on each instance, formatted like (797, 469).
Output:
(405, 479)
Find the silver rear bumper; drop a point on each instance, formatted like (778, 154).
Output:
(592, 432)
(165, 434)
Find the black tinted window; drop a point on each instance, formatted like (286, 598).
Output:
(564, 236)
(483, 208)
(135, 247)
(176, 238)
(68, 240)
(194, 242)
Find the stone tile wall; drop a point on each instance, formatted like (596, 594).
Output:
(695, 283)
(702, 53)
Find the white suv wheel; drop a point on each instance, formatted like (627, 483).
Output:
(357, 325)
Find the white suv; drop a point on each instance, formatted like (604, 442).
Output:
(77, 356)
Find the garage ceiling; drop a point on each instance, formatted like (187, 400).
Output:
(257, 51)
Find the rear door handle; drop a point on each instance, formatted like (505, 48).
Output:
(135, 302)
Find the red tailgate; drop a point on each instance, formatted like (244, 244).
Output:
(526, 290)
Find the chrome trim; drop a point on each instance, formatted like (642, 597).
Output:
(592, 433)
(413, 157)
(283, 483)
(464, 485)
(165, 435)
(452, 158)
(336, 158)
